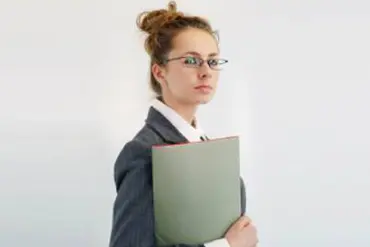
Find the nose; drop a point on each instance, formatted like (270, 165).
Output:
(204, 76)
(204, 72)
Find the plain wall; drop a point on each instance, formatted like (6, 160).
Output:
(73, 90)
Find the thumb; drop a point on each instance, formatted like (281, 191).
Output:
(244, 221)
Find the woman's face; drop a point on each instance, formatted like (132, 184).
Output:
(186, 79)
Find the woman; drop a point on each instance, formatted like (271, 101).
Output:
(184, 68)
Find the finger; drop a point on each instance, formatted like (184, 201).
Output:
(244, 221)
(251, 230)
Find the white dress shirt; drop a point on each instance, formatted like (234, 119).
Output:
(192, 134)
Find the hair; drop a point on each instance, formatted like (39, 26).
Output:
(162, 26)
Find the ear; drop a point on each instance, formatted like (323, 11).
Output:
(158, 73)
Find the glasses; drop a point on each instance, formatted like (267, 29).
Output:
(197, 62)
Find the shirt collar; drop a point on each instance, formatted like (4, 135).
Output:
(190, 132)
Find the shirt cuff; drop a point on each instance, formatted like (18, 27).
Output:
(218, 243)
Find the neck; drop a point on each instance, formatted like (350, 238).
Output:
(187, 112)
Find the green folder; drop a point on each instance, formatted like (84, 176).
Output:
(196, 190)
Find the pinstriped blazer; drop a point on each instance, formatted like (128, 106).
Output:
(133, 218)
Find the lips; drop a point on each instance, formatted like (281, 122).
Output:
(203, 87)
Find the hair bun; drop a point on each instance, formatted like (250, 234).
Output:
(151, 21)
(172, 6)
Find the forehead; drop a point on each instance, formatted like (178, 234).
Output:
(194, 40)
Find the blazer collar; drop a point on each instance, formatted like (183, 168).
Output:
(164, 128)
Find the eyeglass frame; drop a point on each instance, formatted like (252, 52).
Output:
(202, 61)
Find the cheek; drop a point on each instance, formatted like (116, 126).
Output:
(188, 73)
(183, 77)
(215, 77)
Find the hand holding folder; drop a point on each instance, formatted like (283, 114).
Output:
(196, 190)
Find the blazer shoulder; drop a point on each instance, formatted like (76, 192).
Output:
(134, 155)
(133, 150)
(149, 136)
(139, 145)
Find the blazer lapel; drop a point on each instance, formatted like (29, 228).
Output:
(164, 128)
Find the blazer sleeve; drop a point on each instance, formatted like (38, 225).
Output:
(133, 217)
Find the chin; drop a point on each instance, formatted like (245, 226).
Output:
(203, 101)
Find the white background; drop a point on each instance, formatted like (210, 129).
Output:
(73, 90)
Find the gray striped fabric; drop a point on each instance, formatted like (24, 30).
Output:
(133, 219)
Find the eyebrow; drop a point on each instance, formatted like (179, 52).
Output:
(213, 54)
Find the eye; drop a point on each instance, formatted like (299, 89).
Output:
(216, 63)
(213, 62)
(191, 60)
